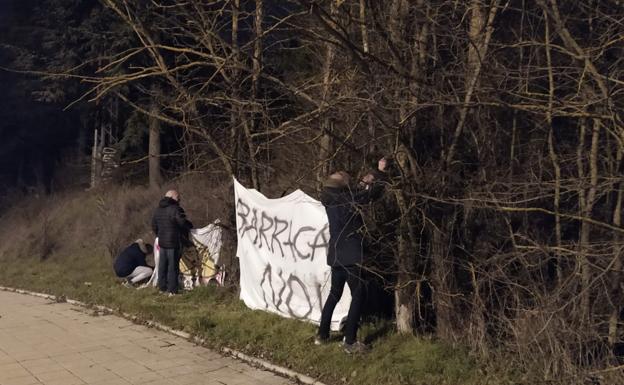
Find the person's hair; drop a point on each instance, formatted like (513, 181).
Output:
(343, 175)
(149, 248)
(338, 179)
(173, 194)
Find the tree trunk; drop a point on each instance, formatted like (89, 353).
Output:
(363, 29)
(155, 177)
(405, 290)
(325, 143)
(251, 126)
(480, 33)
(257, 56)
(404, 297)
(94, 160)
(553, 154)
(586, 203)
(235, 132)
(442, 278)
(616, 274)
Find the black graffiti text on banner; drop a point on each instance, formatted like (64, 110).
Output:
(281, 293)
(278, 235)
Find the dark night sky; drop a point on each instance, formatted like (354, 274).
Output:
(33, 134)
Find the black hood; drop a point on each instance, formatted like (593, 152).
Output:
(333, 195)
(166, 201)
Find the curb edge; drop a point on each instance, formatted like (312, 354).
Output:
(301, 378)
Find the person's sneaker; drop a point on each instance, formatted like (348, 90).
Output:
(355, 348)
(127, 284)
(318, 340)
(171, 294)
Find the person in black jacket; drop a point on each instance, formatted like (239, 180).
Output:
(170, 225)
(345, 254)
(131, 264)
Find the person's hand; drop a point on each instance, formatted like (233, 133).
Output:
(367, 180)
(382, 164)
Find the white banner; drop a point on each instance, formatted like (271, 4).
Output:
(282, 247)
(200, 266)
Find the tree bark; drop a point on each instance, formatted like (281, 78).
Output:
(251, 125)
(405, 290)
(616, 273)
(155, 177)
(235, 132)
(553, 153)
(586, 204)
(480, 33)
(325, 142)
(442, 277)
(363, 29)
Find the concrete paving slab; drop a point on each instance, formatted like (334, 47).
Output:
(49, 343)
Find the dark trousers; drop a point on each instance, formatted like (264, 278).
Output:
(352, 275)
(168, 270)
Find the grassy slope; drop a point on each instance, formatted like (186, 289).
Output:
(77, 265)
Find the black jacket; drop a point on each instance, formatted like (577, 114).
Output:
(129, 259)
(169, 223)
(345, 221)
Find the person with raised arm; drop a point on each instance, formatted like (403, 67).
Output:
(345, 252)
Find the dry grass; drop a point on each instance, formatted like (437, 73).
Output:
(104, 219)
(82, 231)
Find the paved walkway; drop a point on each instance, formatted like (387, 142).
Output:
(43, 342)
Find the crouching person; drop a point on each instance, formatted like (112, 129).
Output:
(131, 264)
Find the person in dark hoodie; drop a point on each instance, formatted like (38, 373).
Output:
(131, 264)
(345, 252)
(170, 225)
